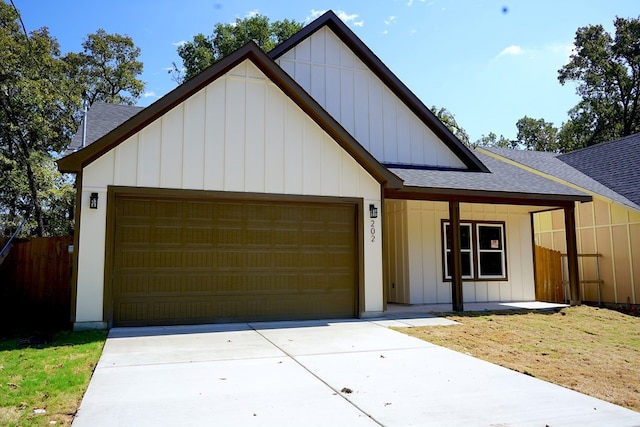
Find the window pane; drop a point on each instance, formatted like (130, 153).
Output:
(465, 236)
(491, 264)
(447, 232)
(466, 264)
(490, 237)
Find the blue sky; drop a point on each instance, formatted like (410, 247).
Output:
(488, 62)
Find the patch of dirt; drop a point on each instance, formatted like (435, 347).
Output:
(591, 350)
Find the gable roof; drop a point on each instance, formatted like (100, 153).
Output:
(615, 164)
(331, 20)
(76, 161)
(552, 165)
(505, 184)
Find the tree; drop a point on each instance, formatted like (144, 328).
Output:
(40, 100)
(537, 134)
(35, 100)
(203, 51)
(107, 69)
(450, 122)
(492, 140)
(607, 72)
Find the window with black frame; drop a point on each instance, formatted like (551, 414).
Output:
(482, 247)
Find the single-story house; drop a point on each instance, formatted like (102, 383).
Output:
(305, 183)
(608, 228)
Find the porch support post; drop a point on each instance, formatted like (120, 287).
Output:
(456, 258)
(572, 254)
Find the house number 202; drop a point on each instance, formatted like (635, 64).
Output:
(372, 230)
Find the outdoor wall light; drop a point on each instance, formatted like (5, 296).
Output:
(93, 201)
(373, 211)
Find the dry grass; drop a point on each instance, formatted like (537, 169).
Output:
(594, 351)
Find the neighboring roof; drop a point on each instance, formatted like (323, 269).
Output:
(506, 183)
(331, 20)
(102, 118)
(552, 165)
(615, 164)
(79, 159)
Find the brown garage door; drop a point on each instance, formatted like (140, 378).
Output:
(179, 261)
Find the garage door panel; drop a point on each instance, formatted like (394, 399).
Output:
(232, 308)
(192, 261)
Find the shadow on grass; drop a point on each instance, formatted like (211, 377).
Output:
(43, 340)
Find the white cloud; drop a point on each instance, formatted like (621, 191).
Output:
(180, 43)
(409, 3)
(150, 94)
(511, 50)
(391, 20)
(344, 16)
(252, 13)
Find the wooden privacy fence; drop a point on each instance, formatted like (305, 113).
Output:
(35, 283)
(548, 275)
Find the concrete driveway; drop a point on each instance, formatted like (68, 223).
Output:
(318, 373)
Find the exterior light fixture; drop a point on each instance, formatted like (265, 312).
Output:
(93, 201)
(373, 211)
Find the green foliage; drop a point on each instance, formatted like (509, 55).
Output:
(606, 70)
(203, 51)
(492, 140)
(537, 134)
(35, 101)
(107, 69)
(450, 122)
(40, 99)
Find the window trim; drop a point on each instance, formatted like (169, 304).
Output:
(475, 251)
(447, 250)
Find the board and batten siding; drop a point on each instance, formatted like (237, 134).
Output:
(241, 133)
(339, 81)
(603, 227)
(414, 253)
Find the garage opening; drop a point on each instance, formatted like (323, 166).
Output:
(186, 261)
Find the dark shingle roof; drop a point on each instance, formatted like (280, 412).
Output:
(504, 178)
(615, 164)
(553, 164)
(102, 118)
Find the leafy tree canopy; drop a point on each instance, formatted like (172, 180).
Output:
(107, 69)
(450, 122)
(203, 51)
(606, 70)
(493, 140)
(537, 134)
(40, 99)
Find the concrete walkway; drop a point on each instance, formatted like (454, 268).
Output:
(318, 373)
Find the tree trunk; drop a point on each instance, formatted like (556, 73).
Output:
(35, 201)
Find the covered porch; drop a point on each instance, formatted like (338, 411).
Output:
(458, 238)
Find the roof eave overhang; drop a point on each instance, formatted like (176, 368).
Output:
(481, 196)
(75, 162)
(366, 55)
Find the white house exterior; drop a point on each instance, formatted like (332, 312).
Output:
(307, 183)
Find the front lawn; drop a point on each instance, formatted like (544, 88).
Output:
(43, 377)
(591, 350)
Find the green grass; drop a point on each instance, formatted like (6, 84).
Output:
(49, 373)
